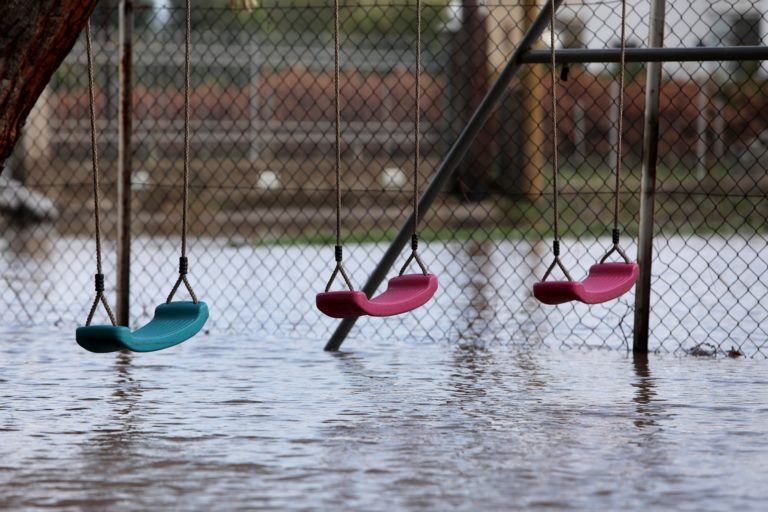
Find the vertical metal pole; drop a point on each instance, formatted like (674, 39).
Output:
(532, 126)
(580, 134)
(124, 162)
(701, 128)
(718, 129)
(648, 186)
(255, 67)
(613, 134)
(449, 164)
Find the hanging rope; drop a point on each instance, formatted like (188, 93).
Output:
(417, 122)
(339, 269)
(414, 256)
(556, 214)
(183, 261)
(620, 128)
(337, 116)
(99, 277)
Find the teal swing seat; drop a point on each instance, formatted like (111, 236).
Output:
(172, 324)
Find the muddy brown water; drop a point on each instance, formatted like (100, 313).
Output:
(237, 423)
(258, 417)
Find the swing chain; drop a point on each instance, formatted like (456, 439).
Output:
(616, 233)
(339, 253)
(99, 285)
(615, 248)
(183, 269)
(414, 256)
(619, 144)
(556, 263)
(339, 270)
(183, 265)
(99, 276)
(183, 260)
(555, 214)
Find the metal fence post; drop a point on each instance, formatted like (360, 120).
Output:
(255, 67)
(124, 162)
(648, 186)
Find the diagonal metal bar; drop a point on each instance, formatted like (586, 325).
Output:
(449, 164)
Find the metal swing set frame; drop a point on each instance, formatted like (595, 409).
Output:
(653, 55)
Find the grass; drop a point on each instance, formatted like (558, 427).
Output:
(586, 210)
(382, 236)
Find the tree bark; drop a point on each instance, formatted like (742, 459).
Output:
(35, 36)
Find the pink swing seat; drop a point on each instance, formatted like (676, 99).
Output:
(606, 281)
(404, 293)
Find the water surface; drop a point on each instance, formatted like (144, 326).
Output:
(706, 290)
(238, 423)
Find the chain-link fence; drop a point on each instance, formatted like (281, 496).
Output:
(263, 176)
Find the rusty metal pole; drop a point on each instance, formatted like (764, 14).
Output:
(648, 183)
(533, 118)
(124, 162)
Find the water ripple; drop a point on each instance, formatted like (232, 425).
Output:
(387, 426)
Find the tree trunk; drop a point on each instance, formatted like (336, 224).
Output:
(35, 36)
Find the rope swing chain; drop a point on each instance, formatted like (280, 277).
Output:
(99, 277)
(553, 82)
(183, 261)
(617, 184)
(620, 127)
(414, 256)
(339, 253)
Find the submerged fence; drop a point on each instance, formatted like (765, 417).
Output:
(262, 186)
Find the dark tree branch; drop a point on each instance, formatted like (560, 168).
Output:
(35, 36)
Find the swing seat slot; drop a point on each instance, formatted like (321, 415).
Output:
(172, 324)
(605, 281)
(404, 293)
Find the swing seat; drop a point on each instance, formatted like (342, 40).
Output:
(404, 293)
(605, 281)
(101, 339)
(172, 324)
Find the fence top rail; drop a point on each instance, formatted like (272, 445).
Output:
(607, 55)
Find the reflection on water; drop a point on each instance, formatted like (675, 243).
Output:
(645, 396)
(115, 442)
(479, 315)
(242, 424)
(24, 266)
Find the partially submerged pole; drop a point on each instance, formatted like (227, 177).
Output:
(124, 163)
(648, 184)
(532, 124)
(449, 164)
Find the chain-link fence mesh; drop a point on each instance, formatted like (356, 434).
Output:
(262, 182)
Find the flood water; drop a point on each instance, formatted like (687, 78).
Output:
(237, 423)
(706, 290)
(481, 400)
